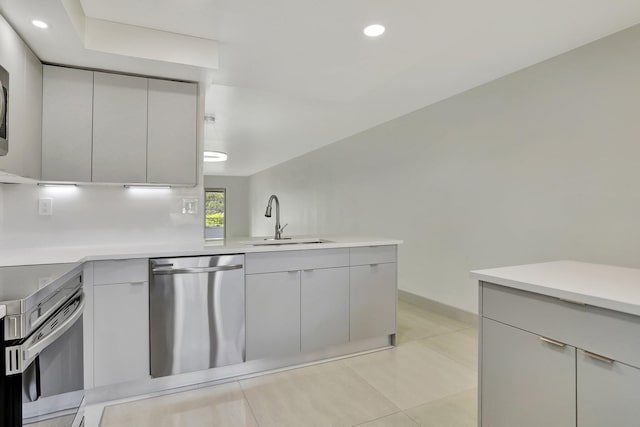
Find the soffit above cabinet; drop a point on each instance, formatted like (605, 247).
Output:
(295, 76)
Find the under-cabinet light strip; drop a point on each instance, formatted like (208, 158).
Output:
(51, 184)
(148, 187)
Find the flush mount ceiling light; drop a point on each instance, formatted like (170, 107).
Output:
(215, 156)
(374, 30)
(40, 24)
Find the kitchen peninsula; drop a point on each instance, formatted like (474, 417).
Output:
(305, 302)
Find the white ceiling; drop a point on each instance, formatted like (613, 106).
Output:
(295, 75)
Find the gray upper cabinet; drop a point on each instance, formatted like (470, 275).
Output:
(114, 128)
(119, 128)
(171, 150)
(67, 106)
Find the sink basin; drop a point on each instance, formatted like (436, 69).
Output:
(285, 241)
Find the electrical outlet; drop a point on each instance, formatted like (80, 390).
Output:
(45, 207)
(189, 206)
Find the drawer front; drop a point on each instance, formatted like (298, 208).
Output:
(271, 262)
(121, 271)
(605, 332)
(373, 255)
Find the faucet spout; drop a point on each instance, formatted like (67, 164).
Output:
(278, 234)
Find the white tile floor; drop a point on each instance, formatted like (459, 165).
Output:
(429, 379)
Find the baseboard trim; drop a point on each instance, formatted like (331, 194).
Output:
(439, 308)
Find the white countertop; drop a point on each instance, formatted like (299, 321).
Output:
(614, 288)
(31, 256)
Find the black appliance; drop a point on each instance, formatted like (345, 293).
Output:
(41, 357)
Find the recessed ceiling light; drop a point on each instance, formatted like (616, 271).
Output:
(215, 156)
(40, 24)
(374, 30)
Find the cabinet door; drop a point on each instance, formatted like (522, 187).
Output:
(67, 114)
(608, 393)
(273, 314)
(121, 333)
(324, 308)
(171, 152)
(119, 128)
(526, 382)
(372, 301)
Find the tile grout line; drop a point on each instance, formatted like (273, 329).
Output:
(253, 414)
(373, 387)
(379, 418)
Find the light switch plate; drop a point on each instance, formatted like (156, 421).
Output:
(190, 206)
(45, 207)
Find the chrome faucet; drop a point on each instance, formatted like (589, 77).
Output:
(267, 213)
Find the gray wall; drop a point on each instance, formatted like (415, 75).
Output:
(25, 104)
(539, 165)
(237, 202)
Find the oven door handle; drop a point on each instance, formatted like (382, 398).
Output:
(19, 357)
(34, 350)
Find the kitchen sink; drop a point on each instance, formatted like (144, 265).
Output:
(286, 241)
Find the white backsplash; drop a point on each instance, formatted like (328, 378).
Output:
(97, 215)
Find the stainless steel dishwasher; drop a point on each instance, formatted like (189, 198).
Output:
(196, 313)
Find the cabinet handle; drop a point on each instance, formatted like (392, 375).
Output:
(554, 342)
(138, 283)
(373, 265)
(309, 270)
(292, 271)
(598, 357)
(570, 301)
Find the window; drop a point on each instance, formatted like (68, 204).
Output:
(214, 207)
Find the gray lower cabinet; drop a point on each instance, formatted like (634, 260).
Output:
(551, 362)
(324, 308)
(121, 332)
(372, 301)
(526, 381)
(272, 314)
(608, 393)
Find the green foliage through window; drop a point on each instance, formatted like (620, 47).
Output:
(214, 208)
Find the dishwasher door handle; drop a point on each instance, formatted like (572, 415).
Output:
(196, 270)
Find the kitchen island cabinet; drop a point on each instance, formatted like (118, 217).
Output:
(560, 345)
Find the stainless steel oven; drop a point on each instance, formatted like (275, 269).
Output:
(41, 355)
